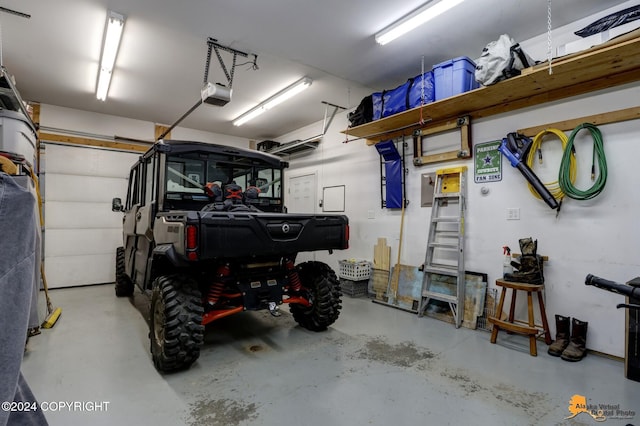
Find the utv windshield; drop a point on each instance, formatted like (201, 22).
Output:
(198, 177)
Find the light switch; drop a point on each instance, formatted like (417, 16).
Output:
(513, 213)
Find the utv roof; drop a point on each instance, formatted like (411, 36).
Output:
(178, 146)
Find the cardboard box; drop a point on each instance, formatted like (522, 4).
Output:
(596, 39)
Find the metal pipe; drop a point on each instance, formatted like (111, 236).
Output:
(166, 132)
(14, 12)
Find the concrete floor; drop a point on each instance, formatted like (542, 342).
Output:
(376, 366)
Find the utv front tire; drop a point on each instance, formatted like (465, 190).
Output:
(324, 294)
(176, 329)
(124, 286)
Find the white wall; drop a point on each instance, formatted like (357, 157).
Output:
(109, 125)
(599, 236)
(89, 122)
(181, 133)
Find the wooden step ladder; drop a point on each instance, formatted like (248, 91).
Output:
(444, 261)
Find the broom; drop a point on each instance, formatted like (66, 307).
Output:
(52, 313)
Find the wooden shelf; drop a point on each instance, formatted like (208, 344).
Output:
(611, 64)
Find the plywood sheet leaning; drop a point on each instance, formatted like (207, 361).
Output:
(474, 298)
(474, 301)
(379, 281)
(409, 286)
(382, 255)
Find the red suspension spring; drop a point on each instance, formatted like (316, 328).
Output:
(295, 284)
(218, 286)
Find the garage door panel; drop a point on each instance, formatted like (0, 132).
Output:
(81, 231)
(92, 189)
(88, 162)
(69, 242)
(68, 271)
(70, 215)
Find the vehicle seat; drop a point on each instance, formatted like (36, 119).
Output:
(214, 191)
(251, 194)
(233, 193)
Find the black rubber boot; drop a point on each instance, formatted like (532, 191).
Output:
(577, 346)
(529, 270)
(528, 246)
(563, 332)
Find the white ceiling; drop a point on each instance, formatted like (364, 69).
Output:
(160, 68)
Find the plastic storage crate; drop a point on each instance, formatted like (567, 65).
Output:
(354, 288)
(354, 270)
(453, 77)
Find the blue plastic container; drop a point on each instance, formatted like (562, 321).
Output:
(453, 77)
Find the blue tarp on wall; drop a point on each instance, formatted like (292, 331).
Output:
(393, 173)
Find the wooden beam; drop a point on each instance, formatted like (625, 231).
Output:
(439, 127)
(597, 119)
(465, 139)
(74, 140)
(430, 128)
(462, 123)
(379, 137)
(35, 115)
(425, 130)
(436, 158)
(159, 130)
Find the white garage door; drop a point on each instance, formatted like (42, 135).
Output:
(81, 232)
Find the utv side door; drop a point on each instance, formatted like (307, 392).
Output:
(129, 220)
(144, 217)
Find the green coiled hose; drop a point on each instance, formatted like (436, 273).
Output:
(598, 149)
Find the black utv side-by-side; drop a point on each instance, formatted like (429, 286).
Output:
(205, 232)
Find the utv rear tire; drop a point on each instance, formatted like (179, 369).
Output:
(124, 286)
(324, 293)
(176, 330)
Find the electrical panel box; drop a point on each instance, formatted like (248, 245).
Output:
(426, 189)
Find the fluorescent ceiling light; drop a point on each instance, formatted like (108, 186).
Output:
(414, 20)
(274, 100)
(113, 34)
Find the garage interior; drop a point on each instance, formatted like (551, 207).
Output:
(430, 330)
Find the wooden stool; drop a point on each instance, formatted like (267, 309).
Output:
(520, 327)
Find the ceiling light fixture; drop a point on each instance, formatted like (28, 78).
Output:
(111, 43)
(274, 100)
(414, 20)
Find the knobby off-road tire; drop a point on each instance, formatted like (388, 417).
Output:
(124, 286)
(176, 329)
(324, 293)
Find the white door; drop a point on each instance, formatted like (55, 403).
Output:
(81, 232)
(301, 198)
